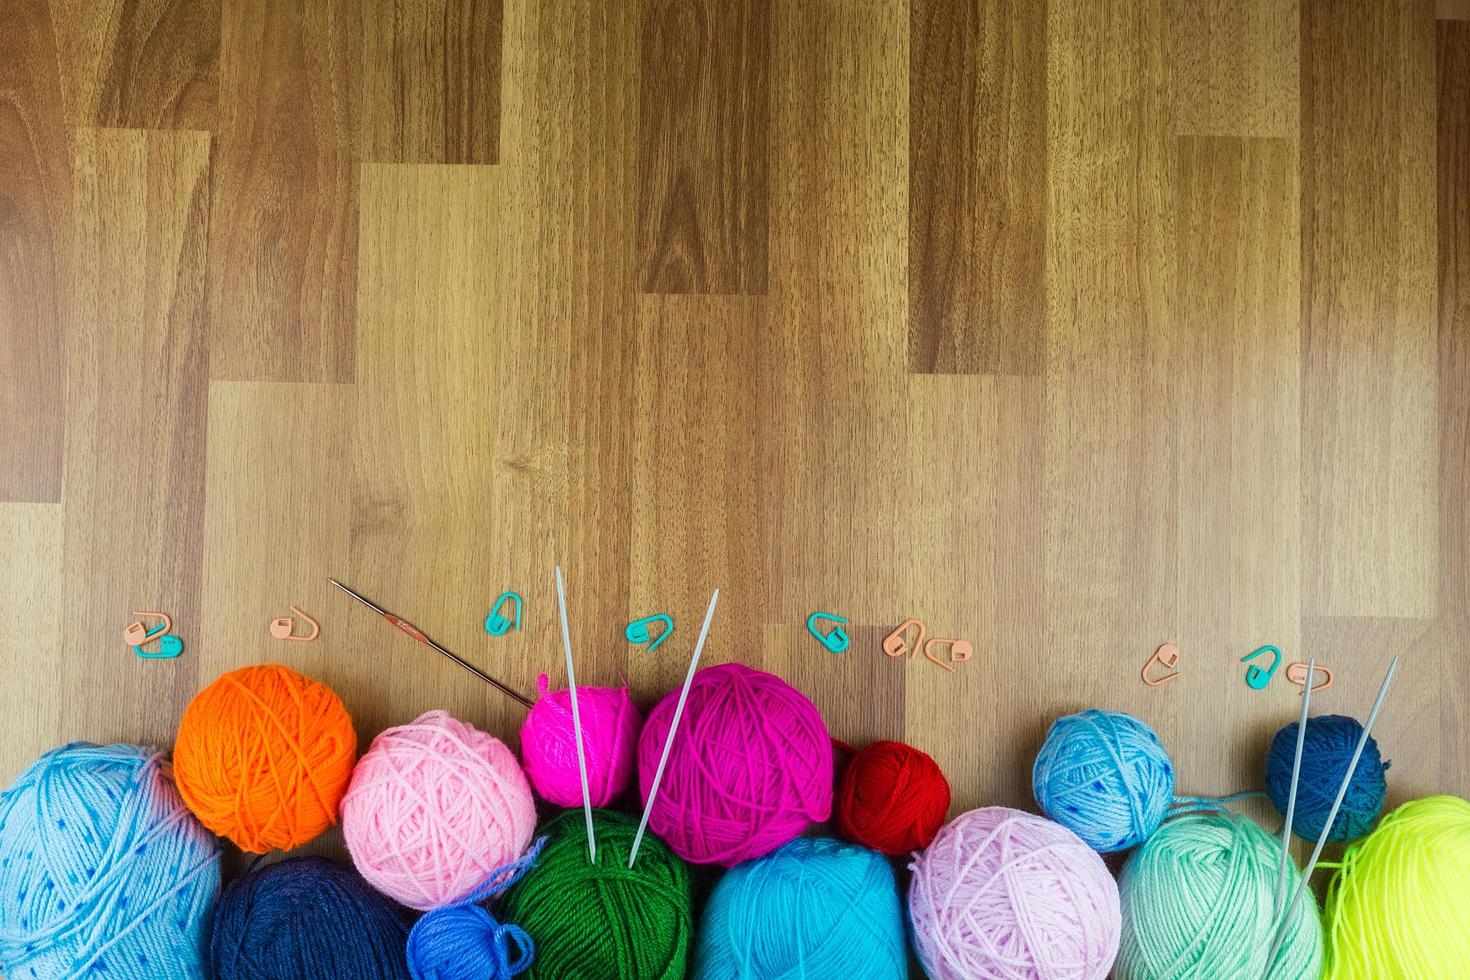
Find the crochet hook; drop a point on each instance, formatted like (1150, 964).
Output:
(417, 634)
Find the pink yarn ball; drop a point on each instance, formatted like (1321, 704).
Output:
(610, 724)
(750, 768)
(1002, 893)
(433, 808)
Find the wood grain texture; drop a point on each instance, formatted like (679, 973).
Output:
(1452, 9)
(135, 449)
(141, 64)
(977, 179)
(35, 204)
(1109, 425)
(431, 81)
(1237, 67)
(1368, 266)
(704, 111)
(30, 593)
(283, 275)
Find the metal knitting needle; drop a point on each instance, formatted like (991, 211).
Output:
(414, 632)
(1347, 777)
(1296, 772)
(566, 642)
(658, 774)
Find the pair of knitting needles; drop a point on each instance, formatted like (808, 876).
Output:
(1279, 936)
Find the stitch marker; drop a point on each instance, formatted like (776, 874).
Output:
(284, 628)
(1257, 676)
(1167, 656)
(835, 639)
(894, 644)
(637, 630)
(497, 624)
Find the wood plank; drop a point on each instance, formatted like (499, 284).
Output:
(282, 276)
(141, 64)
(431, 81)
(1369, 391)
(30, 600)
(698, 519)
(1452, 9)
(1237, 393)
(977, 187)
(972, 570)
(35, 197)
(136, 396)
(704, 101)
(1109, 430)
(277, 525)
(1237, 66)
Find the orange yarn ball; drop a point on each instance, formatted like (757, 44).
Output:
(263, 757)
(892, 798)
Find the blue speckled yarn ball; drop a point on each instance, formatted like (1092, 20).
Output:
(816, 909)
(1105, 776)
(307, 917)
(1328, 746)
(103, 870)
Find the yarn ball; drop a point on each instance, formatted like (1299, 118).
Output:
(610, 725)
(1399, 906)
(1105, 776)
(816, 908)
(750, 767)
(307, 917)
(604, 920)
(1198, 902)
(1002, 893)
(1326, 751)
(103, 870)
(892, 798)
(464, 942)
(434, 807)
(263, 756)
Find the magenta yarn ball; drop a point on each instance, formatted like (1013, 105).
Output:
(750, 767)
(1002, 893)
(610, 724)
(433, 808)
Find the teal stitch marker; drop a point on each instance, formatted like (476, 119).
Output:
(835, 639)
(637, 631)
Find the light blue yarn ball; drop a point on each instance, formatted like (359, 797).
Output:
(815, 909)
(1105, 776)
(103, 870)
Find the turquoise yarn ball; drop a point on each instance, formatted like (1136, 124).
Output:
(1105, 776)
(816, 909)
(103, 870)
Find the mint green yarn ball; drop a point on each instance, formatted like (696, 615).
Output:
(1197, 902)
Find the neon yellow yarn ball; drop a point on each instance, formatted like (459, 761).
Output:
(1399, 906)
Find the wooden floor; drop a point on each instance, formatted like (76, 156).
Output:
(1070, 327)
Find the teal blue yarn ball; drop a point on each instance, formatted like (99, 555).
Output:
(1105, 776)
(1327, 748)
(103, 870)
(816, 909)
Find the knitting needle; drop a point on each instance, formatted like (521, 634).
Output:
(1347, 777)
(658, 774)
(566, 642)
(414, 632)
(1296, 772)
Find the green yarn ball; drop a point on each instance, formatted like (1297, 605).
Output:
(1197, 902)
(604, 920)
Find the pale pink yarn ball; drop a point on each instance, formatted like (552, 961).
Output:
(1006, 894)
(610, 724)
(433, 808)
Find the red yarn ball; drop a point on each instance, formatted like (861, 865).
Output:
(892, 798)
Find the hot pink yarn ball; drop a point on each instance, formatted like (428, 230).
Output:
(750, 768)
(610, 726)
(433, 808)
(1002, 893)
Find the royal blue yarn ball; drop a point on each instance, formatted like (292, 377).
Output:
(307, 917)
(103, 870)
(817, 908)
(464, 942)
(1326, 750)
(1105, 776)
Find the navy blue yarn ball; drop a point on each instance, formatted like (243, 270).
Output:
(1328, 746)
(307, 917)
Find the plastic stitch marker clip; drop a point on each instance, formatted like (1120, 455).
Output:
(495, 623)
(637, 630)
(959, 650)
(893, 643)
(136, 635)
(1168, 657)
(835, 639)
(1297, 674)
(1256, 676)
(284, 627)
